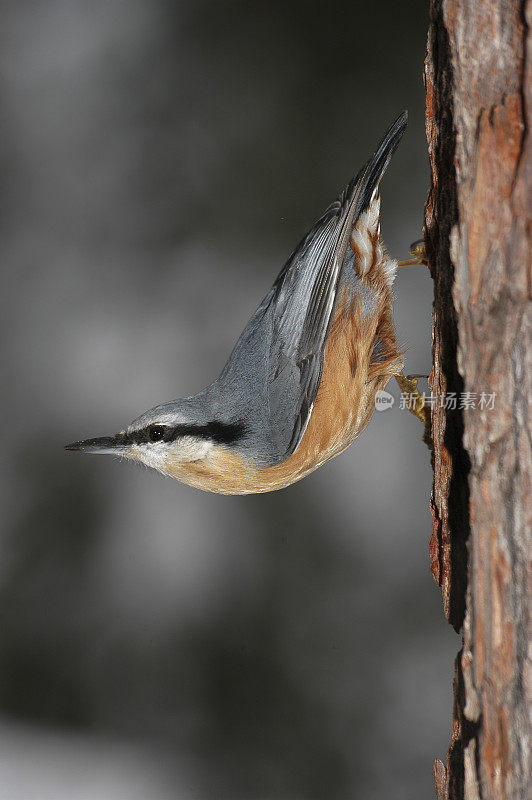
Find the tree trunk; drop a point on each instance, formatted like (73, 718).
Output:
(478, 78)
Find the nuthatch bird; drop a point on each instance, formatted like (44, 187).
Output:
(301, 382)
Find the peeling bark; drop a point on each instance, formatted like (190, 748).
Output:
(478, 233)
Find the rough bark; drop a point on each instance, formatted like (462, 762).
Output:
(479, 86)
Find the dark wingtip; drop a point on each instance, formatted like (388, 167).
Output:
(403, 117)
(375, 168)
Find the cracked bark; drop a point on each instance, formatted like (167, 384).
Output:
(479, 97)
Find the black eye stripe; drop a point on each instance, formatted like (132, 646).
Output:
(219, 432)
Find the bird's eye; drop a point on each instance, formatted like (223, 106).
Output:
(156, 433)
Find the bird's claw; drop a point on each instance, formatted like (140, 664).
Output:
(418, 253)
(417, 405)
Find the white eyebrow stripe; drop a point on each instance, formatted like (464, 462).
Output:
(166, 419)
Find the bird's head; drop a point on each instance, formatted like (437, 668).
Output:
(168, 437)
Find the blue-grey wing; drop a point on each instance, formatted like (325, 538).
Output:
(276, 367)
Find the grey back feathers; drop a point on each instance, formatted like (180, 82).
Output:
(272, 377)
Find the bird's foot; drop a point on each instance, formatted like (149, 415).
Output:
(418, 253)
(415, 403)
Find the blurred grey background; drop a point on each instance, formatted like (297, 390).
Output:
(159, 161)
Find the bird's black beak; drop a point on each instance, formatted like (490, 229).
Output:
(113, 445)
